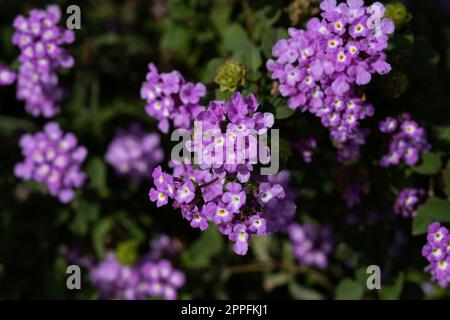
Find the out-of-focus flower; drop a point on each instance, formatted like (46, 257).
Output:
(408, 201)
(437, 252)
(53, 158)
(407, 142)
(7, 76)
(311, 244)
(42, 55)
(150, 277)
(134, 152)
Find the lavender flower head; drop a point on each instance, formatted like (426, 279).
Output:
(54, 158)
(225, 193)
(408, 201)
(437, 252)
(407, 143)
(311, 245)
(305, 147)
(319, 68)
(42, 55)
(170, 97)
(163, 247)
(158, 279)
(7, 76)
(134, 152)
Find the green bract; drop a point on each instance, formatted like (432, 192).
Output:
(230, 75)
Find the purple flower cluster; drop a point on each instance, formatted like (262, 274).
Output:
(408, 200)
(41, 41)
(54, 158)
(225, 136)
(134, 152)
(320, 67)
(353, 182)
(163, 246)
(7, 76)
(311, 245)
(228, 194)
(408, 141)
(437, 252)
(145, 280)
(350, 150)
(281, 218)
(305, 147)
(169, 97)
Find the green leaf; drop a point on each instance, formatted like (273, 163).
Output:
(275, 280)
(209, 244)
(177, 39)
(434, 209)
(236, 41)
(260, 247)
(392, 292)
(101, 229)
(96, 171)
(283, 112)
(271, 36)
(235, 37)
(349, 289)
(249, 55)
(10, 124)
(210, 70)
(430, 164)
(300, 292)
(86, 213)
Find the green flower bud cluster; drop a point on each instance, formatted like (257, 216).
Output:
(230, 75)
(398, 13)
(127, 252)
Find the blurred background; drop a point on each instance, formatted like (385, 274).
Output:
(40, 237)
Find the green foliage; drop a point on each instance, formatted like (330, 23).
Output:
(430, 165)
(434, 209)
(209, 244)
(393, 291)
(349, 289)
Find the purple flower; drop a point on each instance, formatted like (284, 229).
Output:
(311, 245)
(159, 197)
(408, 201)
(234, 197)
(53, 158)
(240, 238)
(407, 142)
(41, 42)
(146, 279)
(134, 153)
(222, 188)
(257, 224)
(7, 76)
(169, 97)
(306, 147)
(192, 93)
(319, 69)
(437, 252)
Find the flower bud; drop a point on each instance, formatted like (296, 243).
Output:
(230, 75)
(127, 252)
(398, 13)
